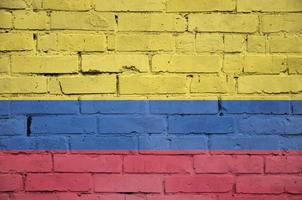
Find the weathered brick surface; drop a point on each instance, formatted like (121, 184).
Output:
(76, 51)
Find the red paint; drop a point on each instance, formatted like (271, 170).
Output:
(283, 164)
(87, 163)
(272, 184)
(58, 182)
(200, 183)
(10, 182)
(158, 164)
(25, 163)
(154, 175)
(228, 164)
(128, 183)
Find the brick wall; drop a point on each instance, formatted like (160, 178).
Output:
(235, 47)
(150, 99)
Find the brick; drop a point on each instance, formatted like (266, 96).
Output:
(48, 125)
(285, 45)
(6, 19)
(80, 5)
(47, 42)
(256, 106)
(237, 23)
(294, 64)
(293, 185)
(34, 143)
(145, 42)
(245, 142)
(200, 124)
(114, 107)
(10, 182)
(184, 107)
(233, 63)
(270, 125)
(186, 63)
(4, 64)
(13, 126)
(256, 43)
(131, 124)
(58, 182)
(13, 4)
(234, 43)
(200, 5)
(89, 84)
(265, 184)
(54, 86)
(81, 42)
(59, 196)
(104, 143)
(209, 42)
(4, 107)
(130, 5)
(146, 84)
(208, 84)
(8, 41)
(157, 164)
(269, 84)
(296, 107)
(44, 64)
(82, 21)
(283, 164)
(25, 107)
(36, 4)
(265, 64)
(25, 163)
(185, 42)
(178, 142)
(287, 23)
(204, 183)
(31, 20)
(115, 63)
(23, 85)
(269, 5)
(87, 163)
(151, 22)
(228, 164)
(111, 41)
(189, 197)
(4, 196)
(262, 197)
(128, 183)
(292, 143)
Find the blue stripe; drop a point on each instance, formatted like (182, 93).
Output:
(151, 125)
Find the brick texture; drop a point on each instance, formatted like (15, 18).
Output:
(76, 51)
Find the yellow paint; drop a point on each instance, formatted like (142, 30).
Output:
(151, 49)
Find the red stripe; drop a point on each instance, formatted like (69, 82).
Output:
(162, 175)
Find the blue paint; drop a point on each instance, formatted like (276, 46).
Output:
(4, 107)
(268, 124)
(297, 107)
(132, 124)
(71, 124)
(256, 106)
(34, 143)
(184, 107)
(239, 142)
(44, 107)
(13, 126)
(103, 143)
(200, 124)
(114, 107)
(150, 125)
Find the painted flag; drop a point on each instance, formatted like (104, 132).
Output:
(150, 100)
